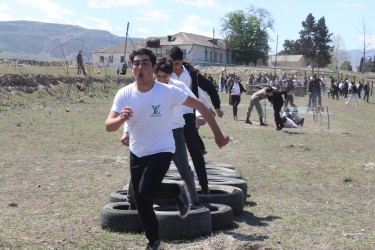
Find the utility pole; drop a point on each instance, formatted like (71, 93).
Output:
(277, 41)
(126, 42)
(213, 41)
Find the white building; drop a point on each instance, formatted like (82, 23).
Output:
(198, 50)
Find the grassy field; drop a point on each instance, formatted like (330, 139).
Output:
(310, 187)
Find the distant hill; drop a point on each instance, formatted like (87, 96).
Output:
(37, 40)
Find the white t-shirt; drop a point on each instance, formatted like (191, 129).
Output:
(290, 123)
(178, 120)
(236, 89)
(150, 127)
(184, 77)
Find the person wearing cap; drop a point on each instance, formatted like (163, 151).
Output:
(276, 99)
(236, 91)
(299, 121)
(255, 101)
(313, 89)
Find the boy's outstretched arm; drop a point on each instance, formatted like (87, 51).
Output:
(221, 138)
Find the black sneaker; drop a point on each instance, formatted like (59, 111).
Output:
(183, 202)
(156, 246)
(248, 121)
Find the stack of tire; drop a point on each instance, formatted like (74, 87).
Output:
(227, 198)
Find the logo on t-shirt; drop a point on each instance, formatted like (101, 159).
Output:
(156, 111)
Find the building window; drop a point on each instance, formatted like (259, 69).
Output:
(102, 59)
(215, 60)
(110, 59)
(184, 50)
(221, 57)
(206, 55)
(122, 59)
(210, 56)
(167, 52)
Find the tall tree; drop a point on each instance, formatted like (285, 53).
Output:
(346, 65)
(247, 35)
(313, 42)
(307, 39)
(322, 41)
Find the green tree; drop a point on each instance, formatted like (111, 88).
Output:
(346, 65)
(322, 41)
(313, 42)
(291, 47)
(246, 34)
(369, 65)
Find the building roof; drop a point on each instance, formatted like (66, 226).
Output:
(118, 48)
(287, 58)
(184, 38)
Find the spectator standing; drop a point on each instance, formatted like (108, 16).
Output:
(367, 91)
(359, 87)
(80, 63)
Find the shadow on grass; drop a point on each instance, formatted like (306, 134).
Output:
(293, 133)
(252, 220)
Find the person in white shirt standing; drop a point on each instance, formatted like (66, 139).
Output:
(147, 106)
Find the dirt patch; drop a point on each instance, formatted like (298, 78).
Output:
(304, 148)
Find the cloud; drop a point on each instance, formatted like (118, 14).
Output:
(91, 22)
(142, 30)
(51, 9)
(107, 4)
(154, 15)
(212, 4)
(4, 13)
(351, 5)
(196, 25)
(287, 8)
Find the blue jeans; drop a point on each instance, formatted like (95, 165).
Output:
(351, 97)
(312, 96)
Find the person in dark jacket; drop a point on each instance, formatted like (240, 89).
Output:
(367, 91)
(236, 91)
(313, 90)
(190, 76)
(276, 99)
(359, 88)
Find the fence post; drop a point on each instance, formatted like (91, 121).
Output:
(328, 116)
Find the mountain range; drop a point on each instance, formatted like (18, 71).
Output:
(46, 41)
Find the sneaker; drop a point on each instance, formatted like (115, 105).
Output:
(183, 202)
(301, 121)
(346, 103)
(248, 121)
(156, 246)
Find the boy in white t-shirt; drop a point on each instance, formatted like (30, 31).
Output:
(147, 106)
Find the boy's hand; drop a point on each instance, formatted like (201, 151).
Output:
(221, 140)
(125, 139)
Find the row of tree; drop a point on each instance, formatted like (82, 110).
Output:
(246, 34)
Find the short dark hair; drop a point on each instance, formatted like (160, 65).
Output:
(269, 89)
(164, 64)
(176, 53)
(143, 51)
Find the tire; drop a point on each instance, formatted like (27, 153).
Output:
(241, 184)
(223, 165)
(119, 196)
(221, 216)
(172, 227)
(117, 217)
(224, 174)
(227, 195)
